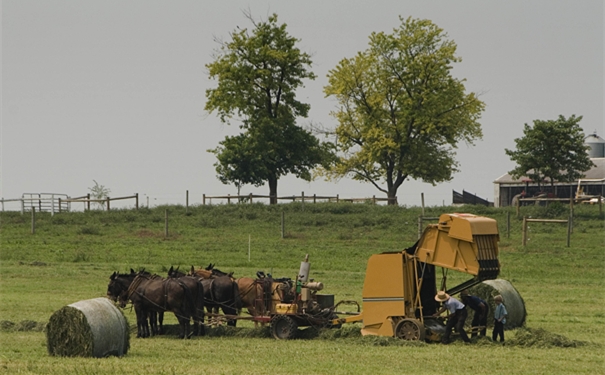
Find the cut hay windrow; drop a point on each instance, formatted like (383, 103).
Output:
(513, 302)
(89, 328)
(540, 338)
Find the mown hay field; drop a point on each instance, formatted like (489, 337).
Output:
(71, 256)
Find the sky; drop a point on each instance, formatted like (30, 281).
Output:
(113, 91)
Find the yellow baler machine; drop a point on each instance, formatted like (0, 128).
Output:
(399, 287)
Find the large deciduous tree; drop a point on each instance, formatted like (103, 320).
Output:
(401, 112)
(552, 149)
(258, 72)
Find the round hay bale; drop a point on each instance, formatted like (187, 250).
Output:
(513, 302)
(89, 328)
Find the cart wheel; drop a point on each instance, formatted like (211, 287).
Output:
(410, 329)
(283, 327)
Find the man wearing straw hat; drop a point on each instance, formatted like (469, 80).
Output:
(456, 318)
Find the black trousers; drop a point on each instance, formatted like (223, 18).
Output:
(480, 319)
(457, 320)
(498, 331)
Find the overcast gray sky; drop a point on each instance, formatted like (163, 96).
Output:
(114, 91)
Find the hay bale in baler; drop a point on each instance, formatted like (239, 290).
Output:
(89, 328)
(515, 306)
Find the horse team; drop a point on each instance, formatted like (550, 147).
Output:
(188, 295)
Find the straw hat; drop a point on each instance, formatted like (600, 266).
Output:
(442, 296)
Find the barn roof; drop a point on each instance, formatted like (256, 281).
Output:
(596, 173)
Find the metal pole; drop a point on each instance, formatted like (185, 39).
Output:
(33, 220)
(422, 197)
(419, 226)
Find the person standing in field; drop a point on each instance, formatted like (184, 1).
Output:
(481, 311)
(456, 318)
(500, 315)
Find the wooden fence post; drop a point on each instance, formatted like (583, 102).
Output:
(204, 199)
(524, 231)
(136, 202)
(283, 225)
(302, 194)
(419, 226)
(186, 201)
(108, 200)
(508, 224)
(166, 223)
(569, 229)
(422, 197)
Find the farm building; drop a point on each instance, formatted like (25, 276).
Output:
(593, 182)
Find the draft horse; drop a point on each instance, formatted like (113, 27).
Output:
(220, 292)
(118, 286)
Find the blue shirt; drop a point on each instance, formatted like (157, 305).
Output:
(474, 302)
(453, 304)
(500, 313)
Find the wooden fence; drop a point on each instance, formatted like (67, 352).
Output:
(249, 198)
(106, 202)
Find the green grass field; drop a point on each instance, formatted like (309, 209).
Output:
(71, 256)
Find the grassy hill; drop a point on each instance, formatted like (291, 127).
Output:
(71, 256)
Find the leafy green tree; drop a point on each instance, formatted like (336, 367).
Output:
(258, 72)
(552, 149)
(401, 112)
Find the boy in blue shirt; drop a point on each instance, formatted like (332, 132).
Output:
(500, 315)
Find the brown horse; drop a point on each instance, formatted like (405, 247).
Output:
(220, 292)
(154, 293)
(118, 286)
(259, 296)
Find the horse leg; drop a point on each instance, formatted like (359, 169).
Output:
(184, 323)
(161, 323)
(230, 311)
(141, 321)
(153, 322)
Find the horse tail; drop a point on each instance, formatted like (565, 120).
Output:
(200, 301)
(189, 300)
(237, 300)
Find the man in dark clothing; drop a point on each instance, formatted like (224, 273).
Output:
(481, 311)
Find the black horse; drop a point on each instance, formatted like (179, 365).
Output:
(156, 294)
(118, 286)
(220, 292)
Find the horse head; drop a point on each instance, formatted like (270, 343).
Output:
(118, 287)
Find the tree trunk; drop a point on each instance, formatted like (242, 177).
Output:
(272, 190)
(392, 196)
